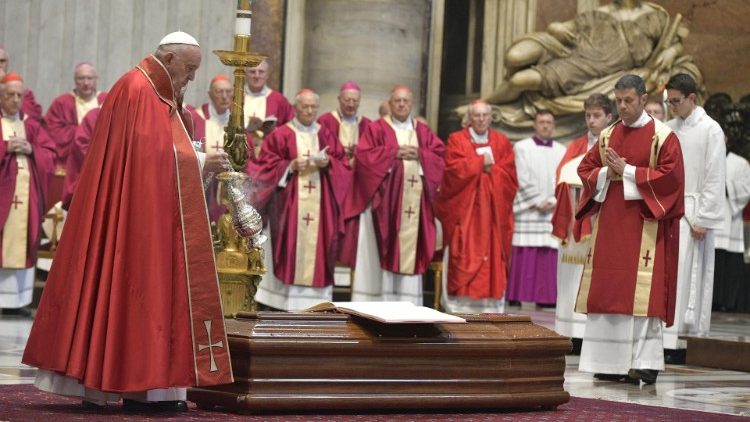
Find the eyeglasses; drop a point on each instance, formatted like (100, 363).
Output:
(675, 101)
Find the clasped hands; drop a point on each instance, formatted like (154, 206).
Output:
(19, 145)
(615, 163)
(302, 163)
(408, 153)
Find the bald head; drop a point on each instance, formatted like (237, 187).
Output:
(480, 116)
(11, 97)
(220, 93)
(85, 79)
(181, 62)
(257, 76)
(401, 102)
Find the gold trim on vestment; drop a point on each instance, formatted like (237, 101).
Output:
(348, 132)
(83, 106)
(255, 106)
(16, 229)
(646, 259)
(411, 201)
(585, 285)
(308, 210)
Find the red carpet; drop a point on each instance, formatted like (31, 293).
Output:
(25, 403)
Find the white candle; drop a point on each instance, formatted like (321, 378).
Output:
(242, 24)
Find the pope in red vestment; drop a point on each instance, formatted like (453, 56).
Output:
(276, 172)
(132, 300)
(475, 206)
(347, 127)
(632, 265)
(39, 158)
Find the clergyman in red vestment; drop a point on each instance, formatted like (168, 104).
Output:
(475, 207)
(131, 307)
(347, 126)
(29, 107)
(302, 176)
(398, 168)
(574, 244)
(633, 183)
(26, 159)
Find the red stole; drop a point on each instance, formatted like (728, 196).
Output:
(132, 300)
(622, 274)
(475, 209)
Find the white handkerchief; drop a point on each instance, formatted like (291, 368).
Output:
(487, 150)
(319, 156)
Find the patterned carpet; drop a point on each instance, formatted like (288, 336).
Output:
(25, 403)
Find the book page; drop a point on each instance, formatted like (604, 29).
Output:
(396, 312)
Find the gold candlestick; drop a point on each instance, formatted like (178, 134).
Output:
(238, 238)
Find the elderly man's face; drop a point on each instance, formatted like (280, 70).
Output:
(221, 95)
(544, 125)
(480, 118)
(400, 104)
(655, 110)
(11, 97)
(182, 65)
(85, 78)
(257, 76)
(349, 102)
(306, 108)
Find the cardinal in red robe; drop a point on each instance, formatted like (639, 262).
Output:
(132, 303)
(26, 159)
(398, 168)
(347, 126)
(475, 206)
(74, 162)
(302, 177)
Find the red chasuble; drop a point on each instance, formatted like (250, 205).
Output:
(61, 121)
(78, 149)
(281, 204)
(41, 165)
(476, 210)
(132, 299)
(632, 267)
(277, 105)
(379, 182)
(348, 241)
(564, 215)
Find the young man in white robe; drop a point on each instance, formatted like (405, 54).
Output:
(704, 154)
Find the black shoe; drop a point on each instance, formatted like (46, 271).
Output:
(648, 376)
(609, 377)
(675, 356)
(154, 406)
(577, 344)
(89, 405)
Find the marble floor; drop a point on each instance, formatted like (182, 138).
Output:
(685, 387)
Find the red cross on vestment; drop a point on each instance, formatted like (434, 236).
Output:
(588, 257)
(409, 212)
(218, 146)
(309, 186)
(646, 258)
(308, 219)
(307, 154)
(412, 181)
(16, 202)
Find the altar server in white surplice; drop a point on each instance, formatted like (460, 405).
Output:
(730, 242)
(704, 154)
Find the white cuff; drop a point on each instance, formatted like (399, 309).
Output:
(602, 184)
(285, 177)
(630, 190)
(201, 159)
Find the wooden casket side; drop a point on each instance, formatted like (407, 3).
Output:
(286, 362)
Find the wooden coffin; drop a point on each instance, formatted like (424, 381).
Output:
(308, 362)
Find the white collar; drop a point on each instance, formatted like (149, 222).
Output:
(592, 139)
(313, 128)
(12, 117)
(345, 119)
(642, 121)
(223, 117)
(695, 116)
(477, 138)
(261, 93)
(405, 125)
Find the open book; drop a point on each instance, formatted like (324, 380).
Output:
(389, 312)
